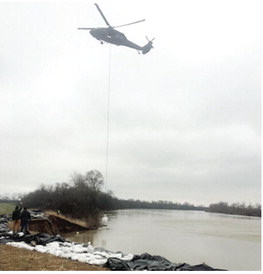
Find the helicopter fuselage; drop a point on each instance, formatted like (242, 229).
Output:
(112, 36)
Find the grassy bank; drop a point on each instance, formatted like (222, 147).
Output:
(17, 259)
(6, 208)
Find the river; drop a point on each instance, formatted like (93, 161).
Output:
(222, 241)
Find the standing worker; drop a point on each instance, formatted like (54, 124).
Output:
(16, 219)
(25, 218)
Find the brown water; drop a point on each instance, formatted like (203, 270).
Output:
(194, 237)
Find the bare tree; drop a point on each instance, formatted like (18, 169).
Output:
(94, 179)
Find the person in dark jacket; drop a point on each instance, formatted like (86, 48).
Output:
(16, 218)
(25, 218)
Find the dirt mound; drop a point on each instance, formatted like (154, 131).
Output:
(54, 224)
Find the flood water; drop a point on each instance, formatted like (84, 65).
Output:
(222, 241)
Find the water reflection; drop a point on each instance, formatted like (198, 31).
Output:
(81, 237)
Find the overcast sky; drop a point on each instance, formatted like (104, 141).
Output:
(184, 119)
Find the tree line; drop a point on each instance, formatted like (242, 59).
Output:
(236, 209)
(131, 203)
(82, 198)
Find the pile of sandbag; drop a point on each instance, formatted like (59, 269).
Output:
(58, 246)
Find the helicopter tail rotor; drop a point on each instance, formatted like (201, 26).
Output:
(149, 41)
(148, 46)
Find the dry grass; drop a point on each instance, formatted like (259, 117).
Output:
(18, 259)
(6, 208)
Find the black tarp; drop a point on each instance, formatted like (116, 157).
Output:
(36, 239)
(153, 263)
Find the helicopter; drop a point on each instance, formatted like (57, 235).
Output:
(113, 36)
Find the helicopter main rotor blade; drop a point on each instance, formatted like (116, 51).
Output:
(129, 23)
(85, 28)
(106, 21)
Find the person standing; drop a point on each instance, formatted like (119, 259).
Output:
(25, 218)
(16, 218)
